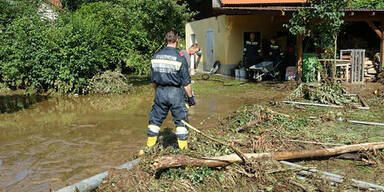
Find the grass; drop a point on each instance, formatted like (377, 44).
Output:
(223, 85)
(254, 128)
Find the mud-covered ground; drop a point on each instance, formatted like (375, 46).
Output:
(265, 125)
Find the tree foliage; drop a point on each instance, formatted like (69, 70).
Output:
(367, 3)
(64, 55)
(321, 21)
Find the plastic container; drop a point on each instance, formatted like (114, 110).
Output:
(290, 73)
(237, 73)
(243, 73)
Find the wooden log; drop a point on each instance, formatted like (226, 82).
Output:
(174, 161)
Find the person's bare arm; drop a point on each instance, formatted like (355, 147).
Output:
(154, 86)
(188, 90)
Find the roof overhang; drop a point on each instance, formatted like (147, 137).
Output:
(350, 13)
(260, 2)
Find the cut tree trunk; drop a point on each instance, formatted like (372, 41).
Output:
(174, 161)
(299, 62)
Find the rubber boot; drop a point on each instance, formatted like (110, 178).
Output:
(151, 141)
(183, 144)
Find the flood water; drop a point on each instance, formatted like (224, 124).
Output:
(54, 142)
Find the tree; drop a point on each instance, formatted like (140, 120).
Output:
(321, 20)
(65, 54)
(366, 3)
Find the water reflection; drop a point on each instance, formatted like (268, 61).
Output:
(13, 103)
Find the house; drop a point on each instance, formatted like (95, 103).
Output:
(221, 36)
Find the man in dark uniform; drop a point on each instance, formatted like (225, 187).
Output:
(170, 78)
(251, 53)
(276, 55)
(274, 52)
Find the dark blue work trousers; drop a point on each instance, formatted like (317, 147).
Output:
(168, 98)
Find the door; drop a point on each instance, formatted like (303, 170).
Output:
(193, 57)
(208, 50)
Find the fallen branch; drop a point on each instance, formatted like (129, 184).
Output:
(174, 161)
(237, 151)
(320, 105)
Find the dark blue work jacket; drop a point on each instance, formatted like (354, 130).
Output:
(170, 68)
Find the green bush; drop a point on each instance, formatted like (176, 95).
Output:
(367, 3)
(64, 55)
(4, 88)
(311, 65)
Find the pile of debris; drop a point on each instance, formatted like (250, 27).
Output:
(324, 94)
(370, 69)
(109, 82)
(251, 129)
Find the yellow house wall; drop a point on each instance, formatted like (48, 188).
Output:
(268, 26)
(228, 36)
(199, 28)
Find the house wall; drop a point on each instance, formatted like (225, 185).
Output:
(236, 25)
(199, 28)
(228, 36)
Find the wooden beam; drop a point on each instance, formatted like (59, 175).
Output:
(299, 62)
(375, 29)
(362, 17)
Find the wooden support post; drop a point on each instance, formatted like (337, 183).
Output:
(380, 33)
(382, 47)
(333, 69)
(299, 62)
(375, 29)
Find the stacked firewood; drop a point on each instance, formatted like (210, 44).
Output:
(370, 69)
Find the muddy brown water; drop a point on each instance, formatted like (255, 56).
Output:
(55, 142)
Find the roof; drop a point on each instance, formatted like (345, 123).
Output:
(257, 2)
(295, 8)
